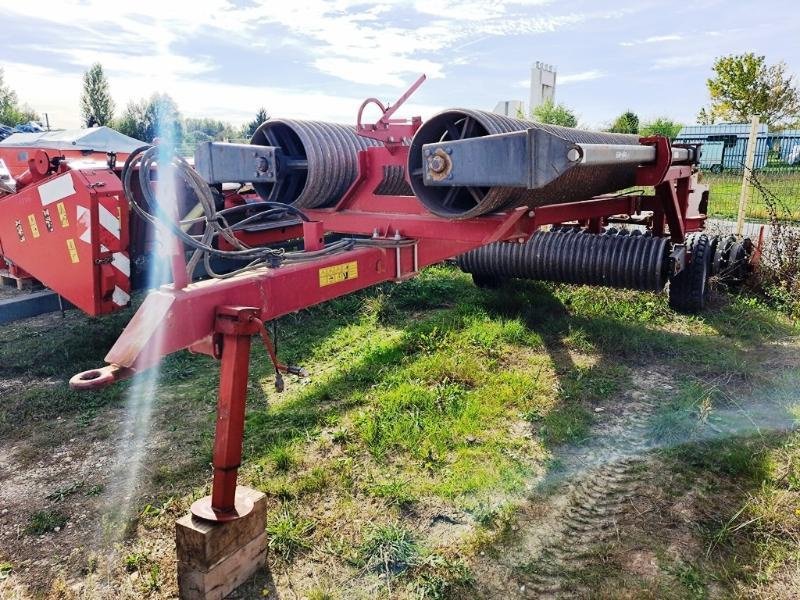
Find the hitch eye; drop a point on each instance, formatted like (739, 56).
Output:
(95, 378)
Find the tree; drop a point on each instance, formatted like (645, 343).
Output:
(97, 107)
(744, 86)
(250, 128)
(157, 117)
(11, 112)
(211, 129)
(627, 122)
(661, 126)
(705, 117)
(554, 114)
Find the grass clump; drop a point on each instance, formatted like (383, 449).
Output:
(394, 492)
(389, 548)
(283, 458)
(437, 577)
(288, 533)
(5, 569)
(45, 521)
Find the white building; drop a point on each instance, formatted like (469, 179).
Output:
(543, 88)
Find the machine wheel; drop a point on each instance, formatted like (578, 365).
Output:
(688, 290)
(738, 262)
(713, 265)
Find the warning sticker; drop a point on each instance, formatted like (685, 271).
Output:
(73, 251)
(338, 273)
(20, 230)
(34, 226)
(62, 215)
(48, 220)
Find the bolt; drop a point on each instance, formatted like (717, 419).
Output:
(449, 175)
(531, 213)
(262, 164)
(449, 150)
(436, 164)
(428, 151)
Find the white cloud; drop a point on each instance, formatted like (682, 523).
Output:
(195, 97)
(578, 77)
(138, 44)
(681, 61)
(673, 37)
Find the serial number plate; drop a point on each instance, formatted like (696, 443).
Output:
(338, 273)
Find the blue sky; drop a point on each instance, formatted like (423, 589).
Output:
(319, 59)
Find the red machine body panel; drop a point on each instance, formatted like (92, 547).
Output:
(70, 231)
(16, 157)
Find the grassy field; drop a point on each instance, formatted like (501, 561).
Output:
(436, 433)
(726, 188)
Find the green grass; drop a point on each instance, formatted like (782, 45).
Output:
(45, 521)
(431, 392)
(725, 189)
(288, 533)
(389, 548)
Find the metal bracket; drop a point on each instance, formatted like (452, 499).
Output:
(678, 258)
(526, 159)
(220, 162)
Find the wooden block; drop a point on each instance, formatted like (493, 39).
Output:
(225, 576)
(202, 544)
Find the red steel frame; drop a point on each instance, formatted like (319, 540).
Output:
(218, 317)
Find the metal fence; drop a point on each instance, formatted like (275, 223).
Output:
(776, 167)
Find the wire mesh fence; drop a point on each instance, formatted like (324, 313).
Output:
(776, 164)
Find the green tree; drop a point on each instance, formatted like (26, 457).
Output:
(661, 126)
(627, 122)
(744, 86)
(250, 128)
(97, 107)
(11, 111)
(554, 114)
(212, 129)
(705, 117)
(157, 117)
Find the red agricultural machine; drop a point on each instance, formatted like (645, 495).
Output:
(322, 210)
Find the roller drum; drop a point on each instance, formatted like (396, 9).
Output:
(394, 182)
(619, 260)
(320, 161)
(578, 183)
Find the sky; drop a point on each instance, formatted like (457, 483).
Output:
(318, 59)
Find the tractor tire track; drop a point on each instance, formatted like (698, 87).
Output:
(577, 510)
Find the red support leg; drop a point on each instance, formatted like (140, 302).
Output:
(235, 326)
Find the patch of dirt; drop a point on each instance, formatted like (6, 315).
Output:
(69, 482)
(578, 507)
(617, 513)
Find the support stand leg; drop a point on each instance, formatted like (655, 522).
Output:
(222, 542)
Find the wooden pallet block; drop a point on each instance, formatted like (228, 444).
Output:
(216, 558)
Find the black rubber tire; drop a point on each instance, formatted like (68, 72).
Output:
(738, 262)
(688, 290)
(714, 242)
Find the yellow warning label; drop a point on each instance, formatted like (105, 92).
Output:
(62, 215)
(338, 273)
(73, 251)
(34, 226)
